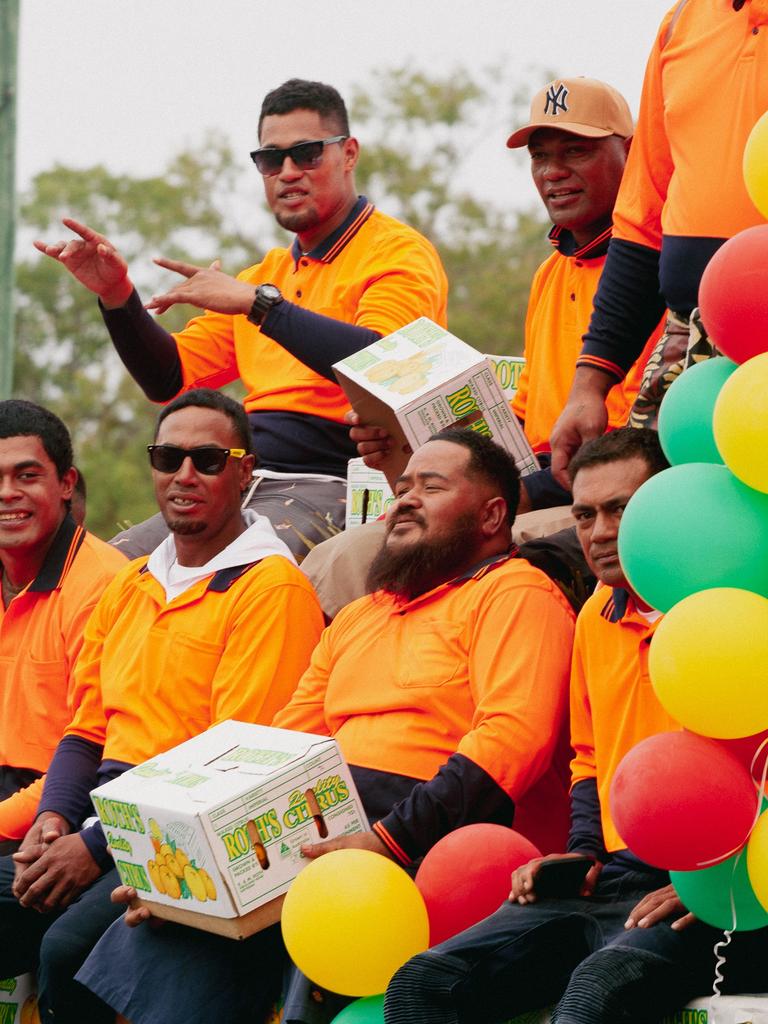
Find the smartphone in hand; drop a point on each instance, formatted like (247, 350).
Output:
(561, 878)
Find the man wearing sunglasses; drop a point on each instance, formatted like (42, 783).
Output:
(217, 623)
(350, 276)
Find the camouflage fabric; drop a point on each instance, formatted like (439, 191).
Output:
(683, 343)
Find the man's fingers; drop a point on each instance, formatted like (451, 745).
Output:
(177, 266)
(122, 894)
(216, 265)
(314, 850)
(86, 233)
(683, 922)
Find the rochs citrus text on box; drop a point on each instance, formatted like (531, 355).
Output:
(420, 380)
(211, 830)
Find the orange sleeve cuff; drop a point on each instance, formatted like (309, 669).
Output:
(18, 811)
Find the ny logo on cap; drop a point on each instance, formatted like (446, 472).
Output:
(556, 98)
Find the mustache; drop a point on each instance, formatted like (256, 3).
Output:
(407, 517)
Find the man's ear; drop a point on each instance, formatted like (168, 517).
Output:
(351, 153)
(68, 481)
(247, 464)
(494, 516)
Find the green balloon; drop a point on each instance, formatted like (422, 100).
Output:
(707, 894)
(694, 527)
(685, 417)
(363, 1011)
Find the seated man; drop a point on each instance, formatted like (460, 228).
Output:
(351, 276)
(447, 692)
(603, 959)
(53, 572)
(218, 623)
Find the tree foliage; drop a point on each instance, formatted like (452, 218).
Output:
(204, 205)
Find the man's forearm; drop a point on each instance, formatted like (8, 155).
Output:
(317, 341)
(147, 350)
(461, 793)
(71, 777)
(628, 306)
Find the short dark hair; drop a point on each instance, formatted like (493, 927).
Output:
(299, 94)
(207, 398)
(489, 461)
(19, 418)
(618, 445)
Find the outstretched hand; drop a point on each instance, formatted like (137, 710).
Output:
(204, 287)
(93, 261)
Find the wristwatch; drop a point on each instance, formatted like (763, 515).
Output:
(267, 296)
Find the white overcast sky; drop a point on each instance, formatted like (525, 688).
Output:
(130, 82)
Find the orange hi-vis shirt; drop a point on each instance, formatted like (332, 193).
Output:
(477, 666)
(41, 632)
(374, 272)
(613, 704)
(706, 84)
(152, 674)
(559, 308)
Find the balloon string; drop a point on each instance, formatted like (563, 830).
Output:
(722, 944)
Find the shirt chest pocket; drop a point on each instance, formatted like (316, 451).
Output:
(184, 677)
(428, 654)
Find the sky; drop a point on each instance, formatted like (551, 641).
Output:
(128, 83)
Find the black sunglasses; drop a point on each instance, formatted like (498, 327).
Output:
(208, 460)
(305, 155)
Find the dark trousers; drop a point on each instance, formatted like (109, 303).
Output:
(575, 953)
(55, 945)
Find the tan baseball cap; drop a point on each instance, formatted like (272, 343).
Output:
(583, 106)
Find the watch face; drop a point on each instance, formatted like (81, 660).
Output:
(269, 292)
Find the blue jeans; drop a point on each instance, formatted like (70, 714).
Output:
(55, 945)
(576, 953)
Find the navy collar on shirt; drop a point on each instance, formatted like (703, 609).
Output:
(331, 246)
(60, 556)
(564, 242)
(615, 608)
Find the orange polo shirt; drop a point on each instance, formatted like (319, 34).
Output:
(706, 84)
(41, 633)
(373, 272)
(477, 666)
(152, 674)
(613, 704)
(559, 309)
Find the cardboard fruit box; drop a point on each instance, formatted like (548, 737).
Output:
(208, 833)
(18, 1001)
(368, 493)
(422, 379)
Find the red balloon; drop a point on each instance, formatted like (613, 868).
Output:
(466, 876)
(733, 295)
(745, 747)
(681, 801)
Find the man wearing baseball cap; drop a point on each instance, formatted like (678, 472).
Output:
(578, 136)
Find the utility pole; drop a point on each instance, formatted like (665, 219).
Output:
(9, 34)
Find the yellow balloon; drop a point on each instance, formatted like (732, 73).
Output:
(351, 918)
(709, 662)
(740, 422)
(757, 859)
(755, 164)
